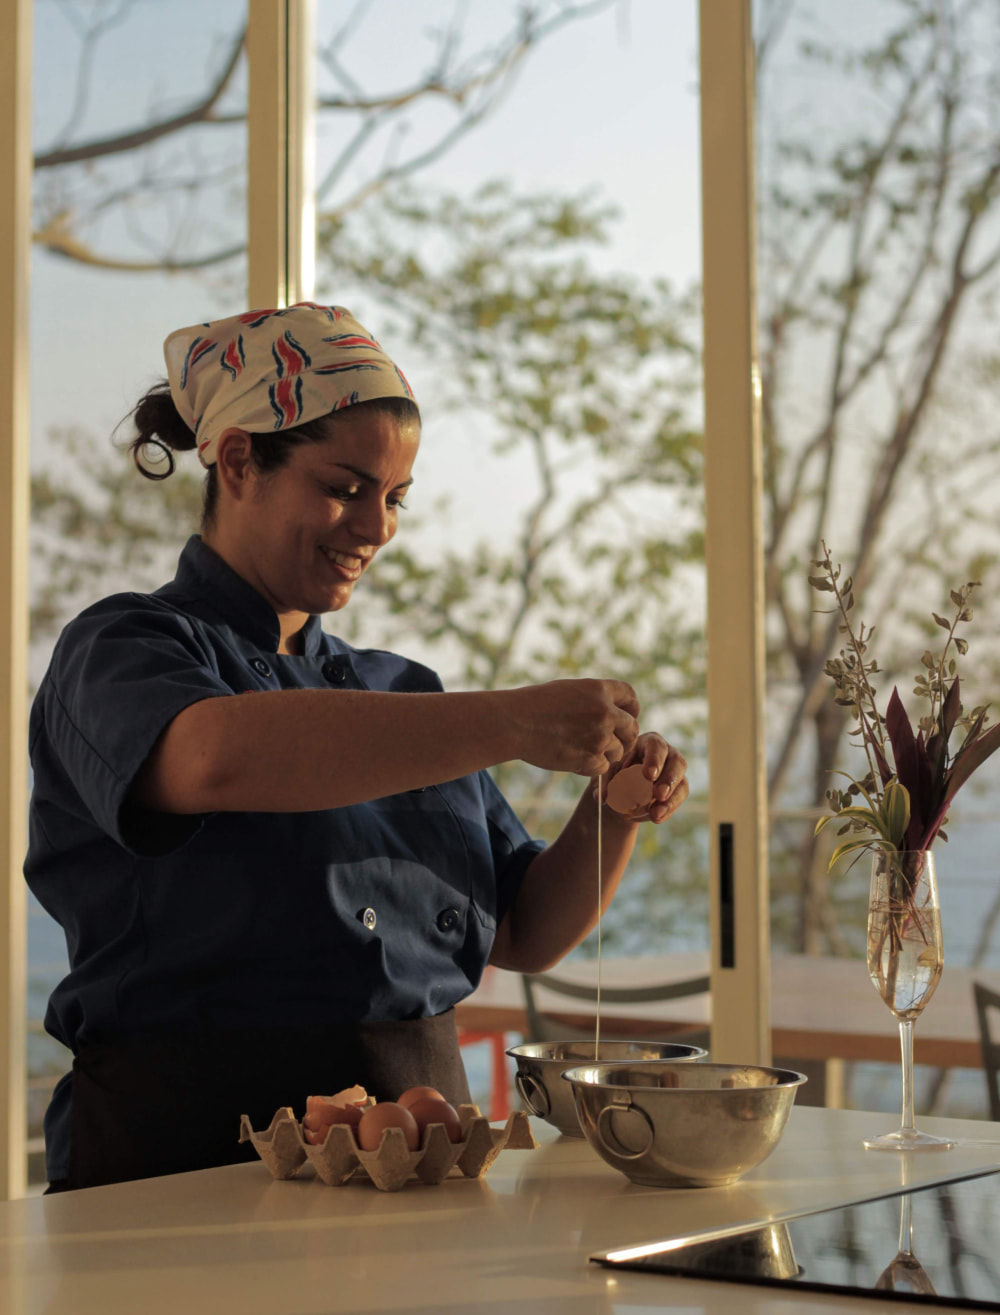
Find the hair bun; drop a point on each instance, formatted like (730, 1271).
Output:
(159, 425)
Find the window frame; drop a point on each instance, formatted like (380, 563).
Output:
(15, 246)
(738, 818)
(281, 259)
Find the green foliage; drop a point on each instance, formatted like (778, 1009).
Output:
(588, 380)
(98, 526)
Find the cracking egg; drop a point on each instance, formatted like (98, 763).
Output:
(630, 791)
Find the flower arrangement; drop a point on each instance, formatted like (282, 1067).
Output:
(912, 777)
(901, 803)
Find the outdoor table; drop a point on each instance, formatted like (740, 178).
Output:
(821, 1008)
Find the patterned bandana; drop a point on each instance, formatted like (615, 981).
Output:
(273, 369)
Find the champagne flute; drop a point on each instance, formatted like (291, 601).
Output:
(904, 1273)
(905, 959)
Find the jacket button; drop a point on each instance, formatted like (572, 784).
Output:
(260, 666)
(368, 918)
(334, 672)
(448, 920)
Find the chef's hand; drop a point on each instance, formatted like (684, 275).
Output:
(662, 764)
(581, 726)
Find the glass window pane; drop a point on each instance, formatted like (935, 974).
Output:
(140, 227)
(878, 277)
(520, 227)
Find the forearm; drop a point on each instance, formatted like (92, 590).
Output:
(556, 906)
(301, 750)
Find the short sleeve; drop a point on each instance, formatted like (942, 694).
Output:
(513, 849)
(119, 675)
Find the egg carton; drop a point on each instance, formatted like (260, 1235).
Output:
(283, 1148)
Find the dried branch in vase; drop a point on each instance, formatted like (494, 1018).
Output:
(901, 803)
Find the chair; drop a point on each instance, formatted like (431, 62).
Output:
(542, 1027)
(499, 1082)
(986, 1000)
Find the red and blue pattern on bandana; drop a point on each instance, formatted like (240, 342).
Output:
(267, 370)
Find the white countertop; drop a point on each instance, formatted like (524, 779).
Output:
(236, 1241)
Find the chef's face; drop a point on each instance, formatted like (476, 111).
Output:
(307, 532)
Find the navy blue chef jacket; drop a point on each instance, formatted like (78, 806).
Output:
(383, 910)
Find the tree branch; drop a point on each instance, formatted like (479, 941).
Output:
(56, 238)
(120, 143)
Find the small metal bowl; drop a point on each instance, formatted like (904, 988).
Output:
(683, 1125)
(541, 1064)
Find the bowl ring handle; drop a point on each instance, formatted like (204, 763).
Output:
(610, 1142)
(533, 1094)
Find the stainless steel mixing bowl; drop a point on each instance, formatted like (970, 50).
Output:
(682, 1125)
(541, 1064)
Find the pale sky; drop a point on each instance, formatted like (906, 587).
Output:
(609, 102)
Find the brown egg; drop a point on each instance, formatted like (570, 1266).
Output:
(429, 1111)
(387, 1114)
(630, 791)
(418, 1093)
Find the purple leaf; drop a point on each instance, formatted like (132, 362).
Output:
(929, 789)
(937, 745)
(966, 761)
(951, 710)
(908, 762)
(971, 756)
(973, 731)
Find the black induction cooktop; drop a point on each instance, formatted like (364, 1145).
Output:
(938, 1244)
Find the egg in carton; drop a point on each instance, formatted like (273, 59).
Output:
(283, 1148)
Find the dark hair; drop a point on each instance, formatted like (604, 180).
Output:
(160, 428)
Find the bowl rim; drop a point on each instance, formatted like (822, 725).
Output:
(791, 1077)
(519, 1051)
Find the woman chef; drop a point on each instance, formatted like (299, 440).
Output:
(280, 861)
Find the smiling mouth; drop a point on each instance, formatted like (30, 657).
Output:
(350, 564)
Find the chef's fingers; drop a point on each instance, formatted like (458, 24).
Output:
(660, 762)
(660, 810)
(625, 697)
(626, 734)
(673, 769)
(615, 748)
(652, 751)
(580, 726)
(619, 733)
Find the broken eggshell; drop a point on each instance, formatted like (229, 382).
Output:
(630, 791)
(345, 1107)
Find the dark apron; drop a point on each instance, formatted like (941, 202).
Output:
(145, 1106)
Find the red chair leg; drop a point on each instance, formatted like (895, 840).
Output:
(499, 1089)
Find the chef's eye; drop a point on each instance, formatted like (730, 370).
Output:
(396, 501)
(341, 493)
